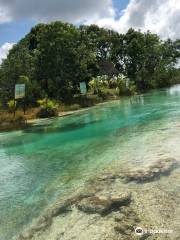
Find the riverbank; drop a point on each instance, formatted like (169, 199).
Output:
(10, 122)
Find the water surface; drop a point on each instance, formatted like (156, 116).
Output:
(43, 162)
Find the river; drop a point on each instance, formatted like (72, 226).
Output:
(42, 163)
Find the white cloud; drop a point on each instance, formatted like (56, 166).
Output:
(4, 50)
(159, 16)
(75, 11)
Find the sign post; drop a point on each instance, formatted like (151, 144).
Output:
(19, 93)
(83, 88)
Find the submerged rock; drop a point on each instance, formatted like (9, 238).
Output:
(103, 204)
(162, 167)
(156, 170)
(94, 205)
(120, 200)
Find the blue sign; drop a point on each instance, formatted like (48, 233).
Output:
(83, 88)
(19, 91)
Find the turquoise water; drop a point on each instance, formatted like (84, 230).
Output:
(43, 162)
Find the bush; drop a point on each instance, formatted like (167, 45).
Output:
(96, 84)
(133, 88)
(87, 101)
(108, 93)
(125, 86)
(11, 106)
(71, 107)
(117, 85)
(48, 108)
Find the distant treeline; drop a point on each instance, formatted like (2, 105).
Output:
(54, 58)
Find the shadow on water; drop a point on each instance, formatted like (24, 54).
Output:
(34, 133)
(55, 129)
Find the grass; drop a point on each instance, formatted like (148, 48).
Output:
(9, 121)
(70, 107)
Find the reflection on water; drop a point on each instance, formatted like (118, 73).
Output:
(43, 162)
(174, 90)
(139, 99)
(50, 129)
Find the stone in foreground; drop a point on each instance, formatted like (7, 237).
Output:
(103, 204)
(161, 167)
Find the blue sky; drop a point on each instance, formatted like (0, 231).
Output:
(17, 17)
(13, 31)
(120, 4)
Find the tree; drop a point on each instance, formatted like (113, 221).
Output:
(54, 58)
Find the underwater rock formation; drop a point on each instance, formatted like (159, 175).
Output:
(161, 167)
(103, 204)
(85, 202)
(100, 197)
(94, 204)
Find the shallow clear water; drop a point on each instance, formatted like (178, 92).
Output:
(43, 162)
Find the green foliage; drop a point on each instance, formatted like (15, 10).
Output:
(117, 85)
(123, 90)
(54, 58)
(122, 84)
(109, 93)
(24, 79)
(132, 88)
(71, 107)
(97, 83)
(47, 103)
(48, 108)
(11, 105)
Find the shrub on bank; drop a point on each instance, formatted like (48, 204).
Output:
(11, 106)
(97, 83)
(106, 87)
(48, 108)
(87, 101)
(70, 107)
(108, 93)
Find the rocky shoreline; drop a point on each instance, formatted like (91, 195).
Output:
(110, 200)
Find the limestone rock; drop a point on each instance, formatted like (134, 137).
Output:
(103, 204)
(120, 199)
(161, 167)
(94, 205)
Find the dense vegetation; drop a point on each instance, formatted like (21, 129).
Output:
(54, 58)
